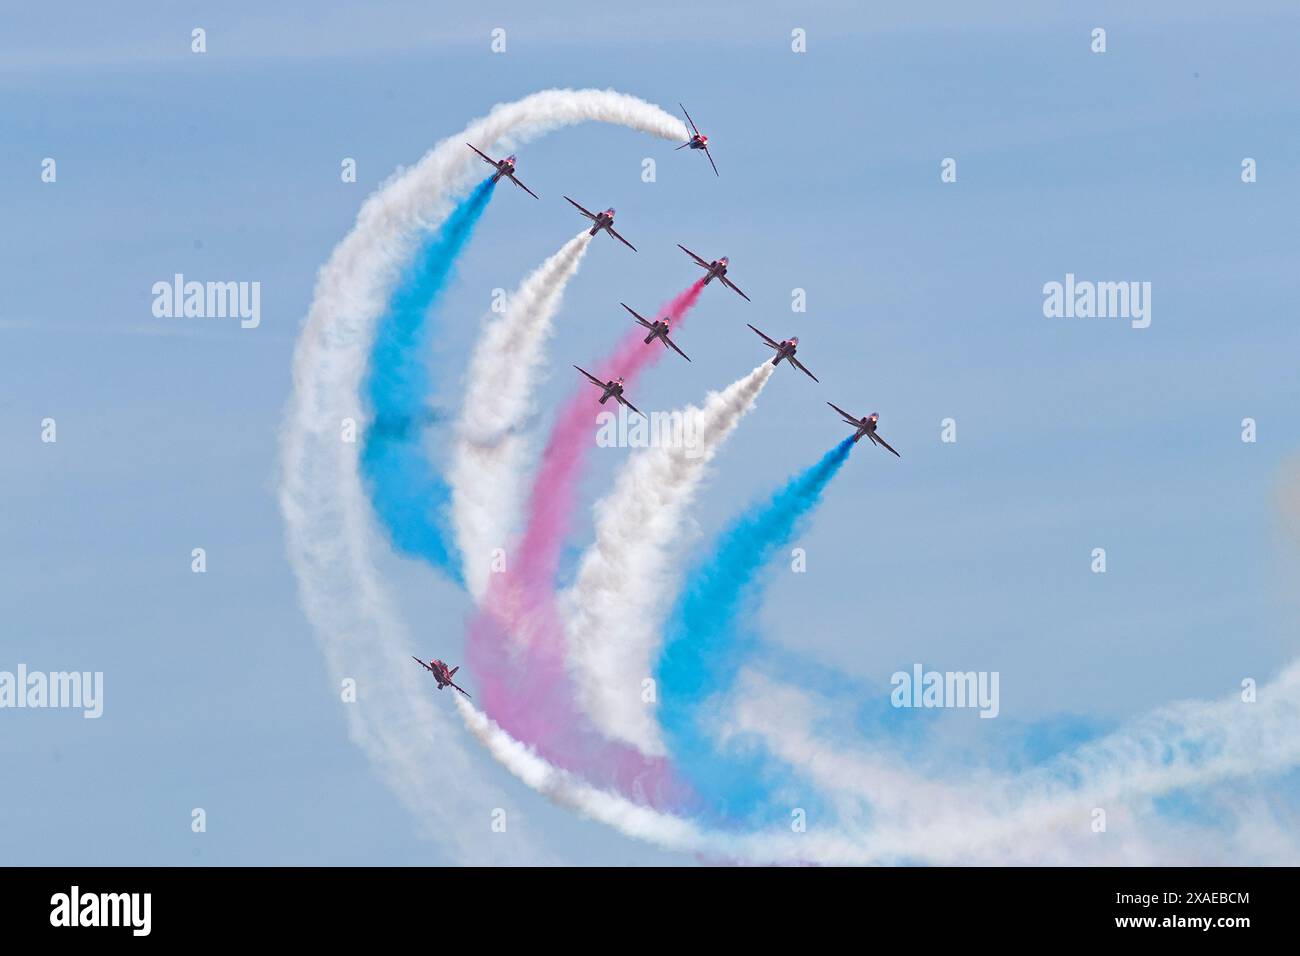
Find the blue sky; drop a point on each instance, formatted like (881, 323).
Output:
(924, 300)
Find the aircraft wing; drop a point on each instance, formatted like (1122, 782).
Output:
(886, 444)
(695, 129)
(610, 230)
(771, 342)
(461, 689)
(586, 212)
(591, 378)
(800, 366)
(711, 162)
(486, 158)
(416, 659)
(624, 401)
(641, 319)
(673, 345)
(734, 288)
(847, 417)
(524, 188)
(697, 259)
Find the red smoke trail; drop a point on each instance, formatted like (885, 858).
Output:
(516, 642)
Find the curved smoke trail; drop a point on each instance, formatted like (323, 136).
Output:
(410, 497)
(329, 531)
(707, 636)
(488, 461)
(1045, 812)
(985, 819)
(615, 610)
(636, 820)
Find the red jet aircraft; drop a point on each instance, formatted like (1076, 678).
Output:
(717, 270)
(698, 141)
(865, 426)
(505, 167)
(611, 389)
(658, 330)
(440, 673)
(785, 349)
(603, 220)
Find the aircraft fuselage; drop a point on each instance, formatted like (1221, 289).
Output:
(658, 331)
(503, 169)
(866, 426)
(784, 352)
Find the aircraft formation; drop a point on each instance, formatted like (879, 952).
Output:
(786, 349)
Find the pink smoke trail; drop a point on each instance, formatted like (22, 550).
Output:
(516, 641)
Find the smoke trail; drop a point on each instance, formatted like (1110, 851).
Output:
(408, 494)
(1193, 743)
(328, 521)
(616, 608)
(529, 692)
(566, 790)
(554, 494)
(707, 635)
(516, 643)
(488, 461)
(632, 819)
(1043, 813)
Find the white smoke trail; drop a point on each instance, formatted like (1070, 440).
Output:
(488, 464)
(634, 820)
(566, 790)
(982, 817)
(329, 528)
(614, 613)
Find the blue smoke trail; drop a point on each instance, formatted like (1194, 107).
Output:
(409, 496)
(708, 638)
